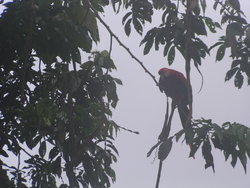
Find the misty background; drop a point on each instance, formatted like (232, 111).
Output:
(142, 108)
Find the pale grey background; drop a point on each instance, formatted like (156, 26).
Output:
(142, 108)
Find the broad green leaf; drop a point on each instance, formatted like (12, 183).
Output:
(127, 27)
(166, 48)
(118, 81)
(126, 17)
(148, 45)
(53, 153)
(230, 73)
(171, 55)
(235, 63)
(234, 29)
(165, 149)
(220, 53)
(210, 24)
(198, 26)
(234, 159)
(138, 26)
(206, 152)
(195, 146)
(238, 80)
(179, 134)
(235, 4)
(42, 149)
(216, 44)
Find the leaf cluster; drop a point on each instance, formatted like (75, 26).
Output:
(141, 11)
(52, 102)
(236, 39)
(173, 36)
(231, 138)
(172, 33)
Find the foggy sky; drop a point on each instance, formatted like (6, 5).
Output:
(142, 108)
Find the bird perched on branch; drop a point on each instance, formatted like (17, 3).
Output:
(176, 86)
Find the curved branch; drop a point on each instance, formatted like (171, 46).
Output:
(188, 58)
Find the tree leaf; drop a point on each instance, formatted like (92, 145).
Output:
(53, 153)
(235, 63)
(243, 160)
(128, 27)
(234, 159)
(220, 53)
(238, 80)
(118, 81)
(210, 24)
(230, 73)
(166, 48)
(137, 25)
(165, 149)
(235, 4)
(198, 26)
(214, 45)
(179, 134)
(171, 55)
(42, 149)
(206, 152)
(196, 142)
(125, 17)
(149, 44)
(234, 29)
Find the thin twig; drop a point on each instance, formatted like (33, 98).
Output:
(159, 174)
(129, 130)
(110, 45)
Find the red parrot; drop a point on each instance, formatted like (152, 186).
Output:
(176, 86)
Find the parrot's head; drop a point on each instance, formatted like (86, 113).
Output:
(165, 72)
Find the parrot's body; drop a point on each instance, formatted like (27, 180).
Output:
(176, 86)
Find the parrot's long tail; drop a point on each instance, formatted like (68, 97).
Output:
(184, 113)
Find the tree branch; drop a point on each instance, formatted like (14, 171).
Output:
(187, 56)
(159, 174)
(121, 44)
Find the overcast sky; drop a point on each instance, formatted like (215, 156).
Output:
(142, 108)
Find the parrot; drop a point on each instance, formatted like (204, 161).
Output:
(176, 86)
